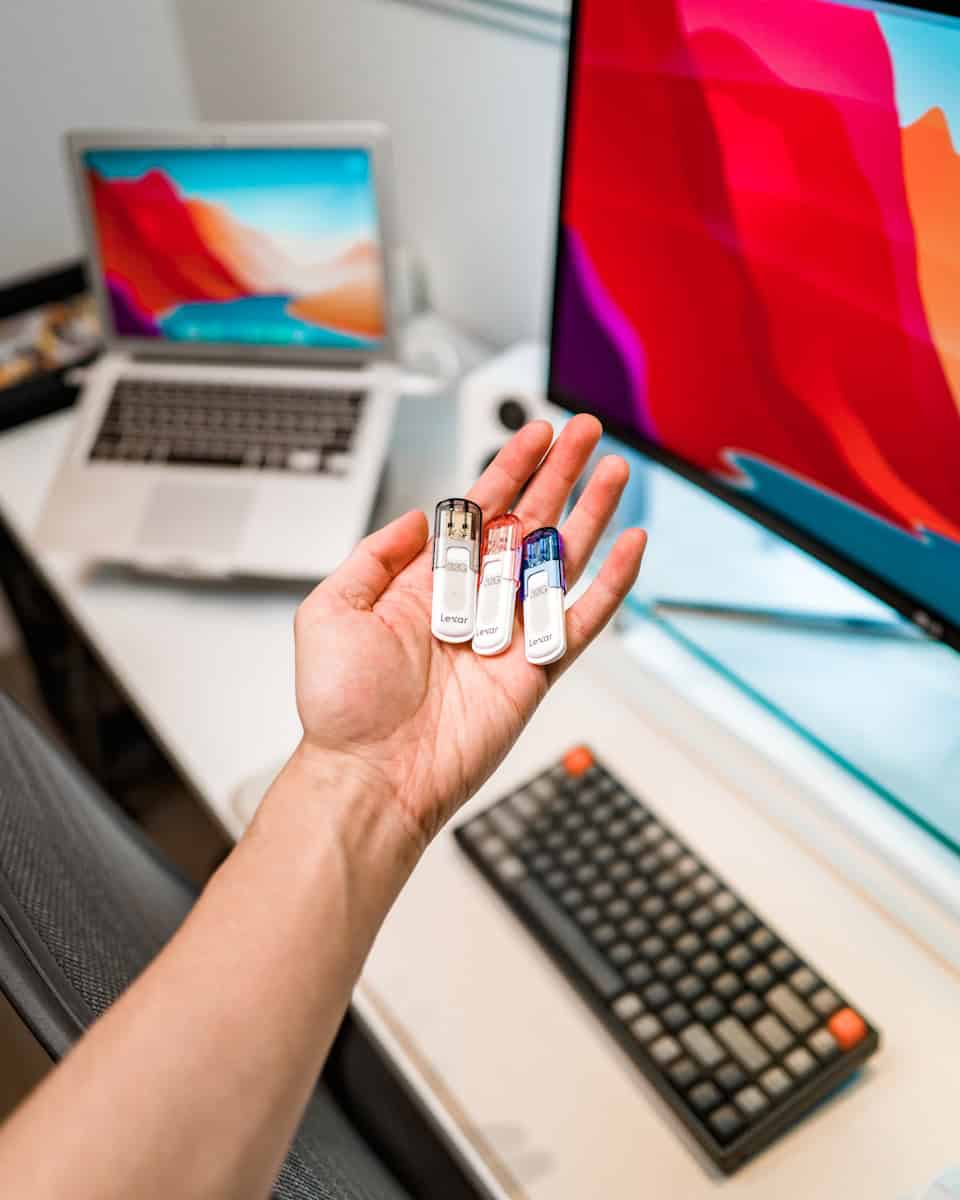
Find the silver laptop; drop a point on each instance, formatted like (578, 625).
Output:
(239, 420)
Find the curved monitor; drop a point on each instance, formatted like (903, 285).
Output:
(758, 268)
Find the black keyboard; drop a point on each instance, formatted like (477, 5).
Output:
(257, 427)
(735, 1030)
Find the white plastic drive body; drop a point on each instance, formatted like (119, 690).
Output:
(455, 597)
(544, 622)
(456, 559)
(496, 603)
(499, 581)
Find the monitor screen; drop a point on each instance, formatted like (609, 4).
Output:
(272, 246)
(758, 268)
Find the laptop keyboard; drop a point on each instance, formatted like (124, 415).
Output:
(733, 1027)
(256, 427)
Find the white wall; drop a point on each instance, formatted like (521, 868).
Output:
(476, 121)
(65, 63)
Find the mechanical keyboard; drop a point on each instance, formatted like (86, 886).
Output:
(735, 1030)
(252, 426)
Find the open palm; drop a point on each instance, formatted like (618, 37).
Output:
(376, 689)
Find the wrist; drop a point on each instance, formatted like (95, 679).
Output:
(329, 797)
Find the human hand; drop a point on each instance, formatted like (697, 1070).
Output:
(378, 695)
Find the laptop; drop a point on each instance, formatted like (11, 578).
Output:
(239, 419)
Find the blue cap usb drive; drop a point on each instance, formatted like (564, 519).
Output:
(543, 586)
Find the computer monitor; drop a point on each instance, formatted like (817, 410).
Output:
(758, 268)
(259, 239)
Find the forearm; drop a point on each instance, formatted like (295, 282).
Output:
(193, 1083)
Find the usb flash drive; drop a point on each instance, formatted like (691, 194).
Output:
(456, 559)
(543, 587)
(499, 578)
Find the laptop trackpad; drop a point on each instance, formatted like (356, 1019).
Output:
(191, 517)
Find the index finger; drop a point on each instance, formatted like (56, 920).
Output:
(504, 479)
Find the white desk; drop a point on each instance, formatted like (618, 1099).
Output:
(481, 1024)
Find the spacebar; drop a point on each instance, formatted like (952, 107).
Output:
(561, 930)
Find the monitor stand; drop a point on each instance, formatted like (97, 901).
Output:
(809, 622)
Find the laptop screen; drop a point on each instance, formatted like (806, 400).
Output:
(236, 245)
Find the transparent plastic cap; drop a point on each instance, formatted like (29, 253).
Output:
(543, 550)
(504, 536)
(456, 523)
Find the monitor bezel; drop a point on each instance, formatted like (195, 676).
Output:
(370, 136)
(933, 623)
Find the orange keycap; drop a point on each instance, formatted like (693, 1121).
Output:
(848, 1027)
(578, 760)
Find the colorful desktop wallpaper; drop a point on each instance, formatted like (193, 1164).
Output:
(760, 260)
(276, 246)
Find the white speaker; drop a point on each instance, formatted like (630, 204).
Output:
(496, 400)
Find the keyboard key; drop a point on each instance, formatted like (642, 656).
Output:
(689, 945)
(605, 934)
(708, 964)
(702, 1045)
(577, 761)
(825, 1001)
(635, 928)
(747, 1006)
(652, 947)
(727, 985)
(804, 981)
(635, 889)
(704, 884)
(620, 953)
(705, 1096)
(506, 824)
(701, 918)
(708, 1008)
(646, 1028)
(782, 959)
(602, 976)
(823, 1044)
(684, 1072)
(742, 921)
(689, 987)
(671, 925)
(657, 995)
(664, 1050)
(773, 1033)
(740, 957)
(723, 903)
(730, 1076)
(618, 910)
(653, 907)
(511, 869)
(762, 940)
(726, 1122)
(628, 1006)
(788, 1005)
(800, 1062)
(848, 1027)
(741, 1043)
(684, 899)
(638, 973)
(588, 915)
(671, 967)
(720, 937)
(759, 977)
(751, 1101)
(776, 1082)
(675, 1016)
(492, 847)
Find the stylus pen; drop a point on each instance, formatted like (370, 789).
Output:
(810, 622)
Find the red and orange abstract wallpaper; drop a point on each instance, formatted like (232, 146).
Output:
(760, 260)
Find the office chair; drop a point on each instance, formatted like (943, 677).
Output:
(85, 903)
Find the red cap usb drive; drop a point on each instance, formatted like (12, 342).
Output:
(499, 579)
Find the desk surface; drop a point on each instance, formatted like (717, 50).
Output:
(500, 1048)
